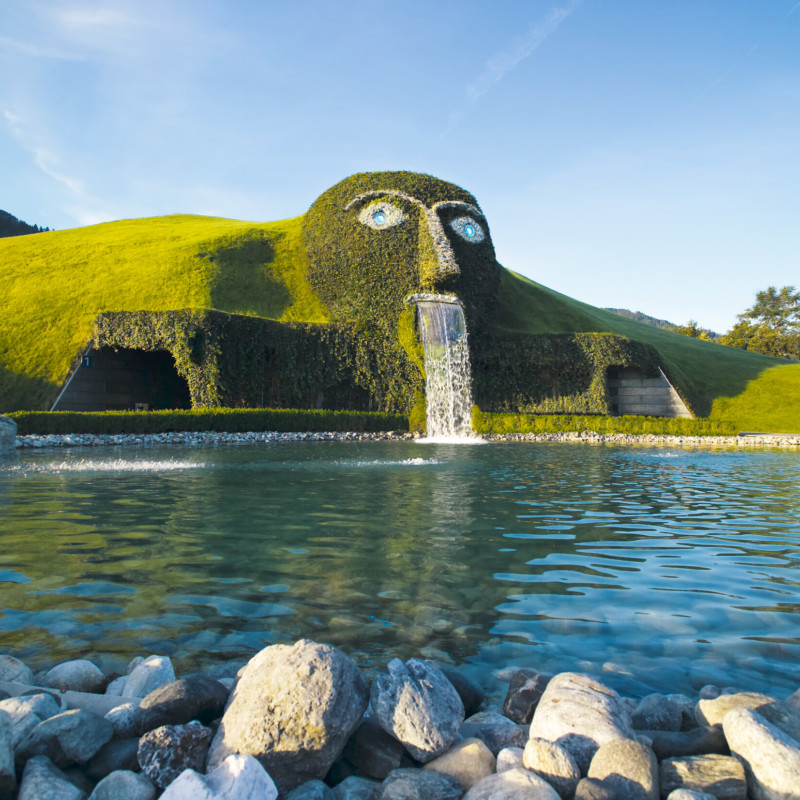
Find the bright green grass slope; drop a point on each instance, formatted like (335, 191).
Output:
(56, 283)
(717, 381)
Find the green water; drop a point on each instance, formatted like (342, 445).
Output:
(653, 568)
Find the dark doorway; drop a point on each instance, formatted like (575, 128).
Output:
(124, 380)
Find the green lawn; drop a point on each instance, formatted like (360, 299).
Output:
(703, 372)
(56, 283)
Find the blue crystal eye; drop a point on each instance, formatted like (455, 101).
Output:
(381, 216)
(469, 229)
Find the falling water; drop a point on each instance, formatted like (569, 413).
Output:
(448, 382)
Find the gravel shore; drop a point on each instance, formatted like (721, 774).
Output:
(749, 440)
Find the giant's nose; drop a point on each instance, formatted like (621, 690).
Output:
(437, 261)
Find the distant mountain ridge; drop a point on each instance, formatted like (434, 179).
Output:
(11, 226)
(645, 318)
(690, 329)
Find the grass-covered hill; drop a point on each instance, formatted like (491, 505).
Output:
(56, 284)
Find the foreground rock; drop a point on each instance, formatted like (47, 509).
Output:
(8, 438)
(468, 761)
(721, 776)
(771, 757)
(293, 708)
(177, 702)
(124, 785)
(553, 763)
(14, 670)
(236, 778)
(166, 752)
(580, 714)
(628, 768)
(417, 704)
(494, 730)
(420, 784)
(151, 673)
(8, 778)
(372, 751)
(525, 690)
(42, 780)
(76, 676)
(513, 784)
(71, 737)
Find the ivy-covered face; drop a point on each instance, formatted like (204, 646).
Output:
(377, 237)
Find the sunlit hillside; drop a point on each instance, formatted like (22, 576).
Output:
(56, 283)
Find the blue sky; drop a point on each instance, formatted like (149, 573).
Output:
(628, 153)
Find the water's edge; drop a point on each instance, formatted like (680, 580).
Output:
(782, 440)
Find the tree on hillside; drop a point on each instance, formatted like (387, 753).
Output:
(692, 329)
(771, 325)
(11, 226)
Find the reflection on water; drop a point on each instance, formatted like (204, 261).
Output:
(655, 569)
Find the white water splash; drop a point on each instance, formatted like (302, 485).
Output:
(406, 462)
(448, 386)
(107, 465)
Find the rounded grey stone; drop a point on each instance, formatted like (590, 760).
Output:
(164, 753)
(417, 704)
(14, 671)
(771, 757)
(657, 712)
(553, 763)
(356, 788)
(8, 437)
(580, 713)
(76, 676)
(192, 698)
(419, 784)
(525, 689)
(293, 708)
(510, 758)
(42, 780)
(627, 767)
(73, 736)
(494, 730)
(124, 785)
(312, 790)
(152, 672)
(513, 784)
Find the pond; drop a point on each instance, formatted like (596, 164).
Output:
(655, 569)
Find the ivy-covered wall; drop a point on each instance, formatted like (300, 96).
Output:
(240, 362)
(371, 241)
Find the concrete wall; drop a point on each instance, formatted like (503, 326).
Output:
(109, 380)
(631, 393)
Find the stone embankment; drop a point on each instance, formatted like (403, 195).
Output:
(303, 722)
(784, 440)
(37, 441)
(788, 440)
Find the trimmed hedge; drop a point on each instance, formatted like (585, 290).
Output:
(660, 426)
(218, 420)
(249, 362)
(553, 373)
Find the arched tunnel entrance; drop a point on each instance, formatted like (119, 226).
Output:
(124, 380)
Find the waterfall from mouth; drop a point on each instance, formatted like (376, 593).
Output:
(448, 386)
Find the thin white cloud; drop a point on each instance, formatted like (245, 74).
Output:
(36, 51)
(503, 62)
(93, 18)
(45, 160)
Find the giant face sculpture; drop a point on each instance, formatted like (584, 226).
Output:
(377, 237)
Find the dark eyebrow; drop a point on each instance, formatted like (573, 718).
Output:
(360, 199)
